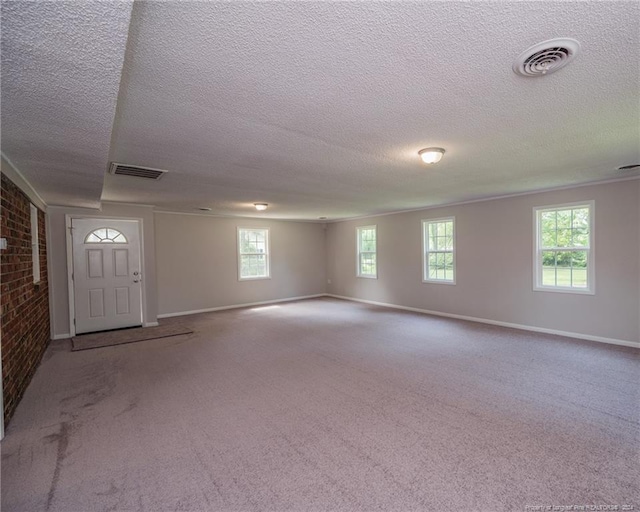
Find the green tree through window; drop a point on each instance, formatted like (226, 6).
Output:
(367, 251)
(564, 247)
(253, 253)
(439, 241)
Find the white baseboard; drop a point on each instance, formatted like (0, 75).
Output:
(150, 324)
(601, 339)
(235, 306)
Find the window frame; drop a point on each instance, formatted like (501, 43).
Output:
(537, 249)
(35, 244)
(359, 272)
(425, 250)
(267, 254)
(106, 240)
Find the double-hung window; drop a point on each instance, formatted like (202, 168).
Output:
(253, 253)
(564, 248)
(367, 252)
(439, 262)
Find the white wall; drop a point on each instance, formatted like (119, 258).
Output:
(495, 263)
(191, 262)
(57, 253)
(197, 262)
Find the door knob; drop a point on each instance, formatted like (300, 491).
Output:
(136, 273)
(136, 280)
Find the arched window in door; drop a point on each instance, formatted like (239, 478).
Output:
(105, 236)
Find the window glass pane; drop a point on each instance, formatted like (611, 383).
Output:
(433, 260)
(563, 259)
(449, 240)
(564, 219)
(579, 259)
(580, 218)
(433, 236)
(368, 264)
(260, 265)
(105, 235)
(244, 266)
(548, 229)
(566, 269)
(580, 238)
(433, 239)
(579, 277)
(563, 237)
(441, 265)
(253, 265)
(549, 268)
(448, 260)
(549, 276)
(548, 221)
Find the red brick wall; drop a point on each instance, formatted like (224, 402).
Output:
(24, 305)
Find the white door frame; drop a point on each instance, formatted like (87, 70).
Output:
(67, 224)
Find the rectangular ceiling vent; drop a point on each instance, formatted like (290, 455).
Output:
(136, 171)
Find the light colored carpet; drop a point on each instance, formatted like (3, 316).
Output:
(122, 336)
(328, 405)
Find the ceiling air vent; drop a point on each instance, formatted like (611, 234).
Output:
(136, 171)
(546, 57)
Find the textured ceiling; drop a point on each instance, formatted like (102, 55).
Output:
(320, 108)
(61, 68)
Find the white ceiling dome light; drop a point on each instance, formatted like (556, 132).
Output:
(546, 57)
(431, 155)
(260, 206)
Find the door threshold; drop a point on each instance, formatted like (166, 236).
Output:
(111, 330)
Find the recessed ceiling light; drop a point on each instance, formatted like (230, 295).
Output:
(322, 218)
(260, 206)
(204, 209)
(628, 167)
(431, 155)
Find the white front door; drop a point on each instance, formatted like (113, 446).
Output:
(107, 288)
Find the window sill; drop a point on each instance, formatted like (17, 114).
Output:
(260, 278)
(367, 277)
(438, 281)
(575, 291)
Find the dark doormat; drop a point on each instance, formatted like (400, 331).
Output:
(121, 336)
